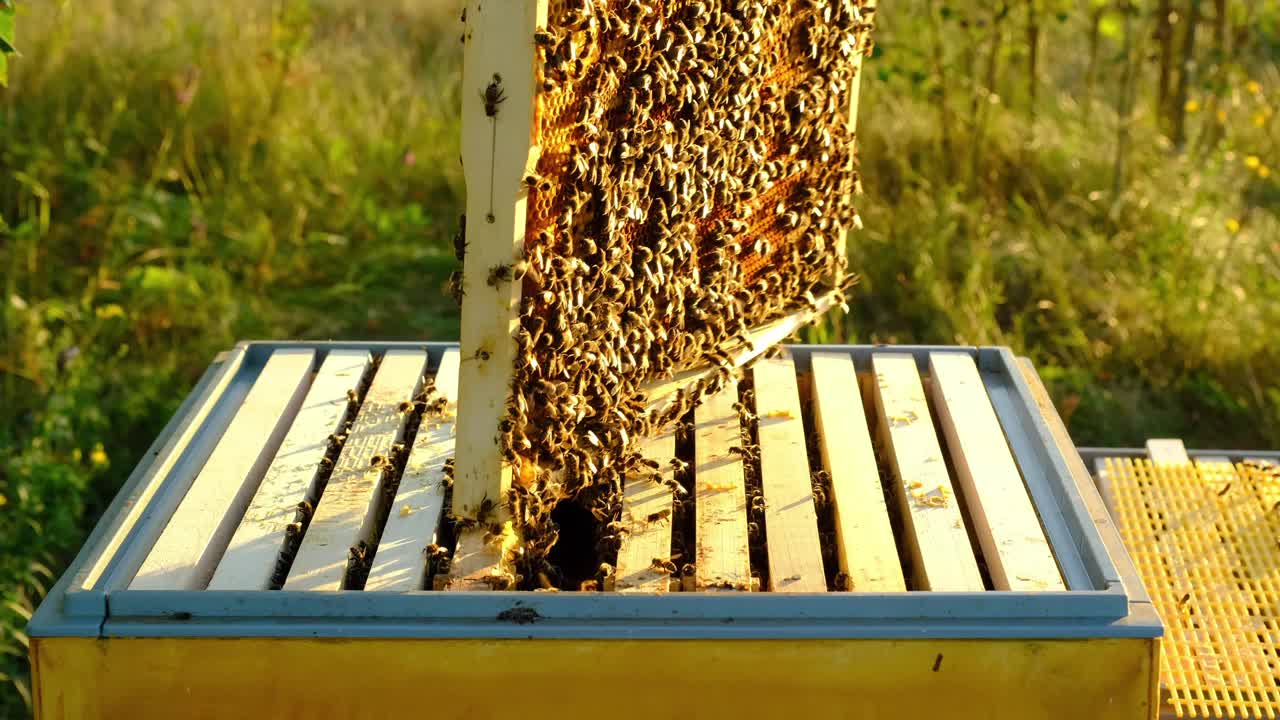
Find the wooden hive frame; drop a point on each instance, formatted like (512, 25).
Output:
(499, 119)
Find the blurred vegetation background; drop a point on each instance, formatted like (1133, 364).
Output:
(1088, 181)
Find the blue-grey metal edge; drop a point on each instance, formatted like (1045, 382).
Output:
(1093, 454)
(1095, 606)
(70, 609)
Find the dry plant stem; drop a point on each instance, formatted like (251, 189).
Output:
(1164, 36)
(1091, 71)
(938, 52)
(981, 108)
(1033, 56)
(1186, 66)
(1126, 109)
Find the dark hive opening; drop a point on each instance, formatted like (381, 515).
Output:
(573, 553)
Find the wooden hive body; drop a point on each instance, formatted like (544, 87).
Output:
(938, 581)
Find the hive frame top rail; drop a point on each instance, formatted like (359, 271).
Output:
(91, 599)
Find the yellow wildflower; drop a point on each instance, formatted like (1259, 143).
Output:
(106, 312)
(1264, 172)
(1222, 116)
(99, 455)
(1192, 105)
(3, 501)
(1254, 87)
(1233, 225)
(1252, 162)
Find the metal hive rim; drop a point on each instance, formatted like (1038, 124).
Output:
(1104, 608)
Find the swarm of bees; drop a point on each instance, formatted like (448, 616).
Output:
(695, 181)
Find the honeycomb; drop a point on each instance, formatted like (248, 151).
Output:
(695, 181)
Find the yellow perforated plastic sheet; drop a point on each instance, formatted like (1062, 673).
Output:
(1206, 540)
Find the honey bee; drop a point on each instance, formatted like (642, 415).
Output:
(663, 565)
(359, 553)
(455, 287)
(460, 239)
(493, 95)
(543, 38)
(499, 273)
(486, 509)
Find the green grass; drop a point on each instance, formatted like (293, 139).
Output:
(178, 176)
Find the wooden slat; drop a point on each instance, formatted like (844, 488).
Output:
(138, 499)
(867, 552)
(791, 521)
(855, 92)
(481, 559)
(184, 556)
(1004, 519)
(400, 565)
(1214, 463)
(1167, 451)
(720, 500)
(250, 559)
(346, 513)
(646, 521)
(942, 557)
(660, 393)
(496, 154)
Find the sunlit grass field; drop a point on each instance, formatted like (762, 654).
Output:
(178, 176)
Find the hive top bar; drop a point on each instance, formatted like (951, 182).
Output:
(650, 187)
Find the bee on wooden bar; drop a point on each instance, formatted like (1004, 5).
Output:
(543, 38)
(664, 566)
(493, 95)
(460, 239)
